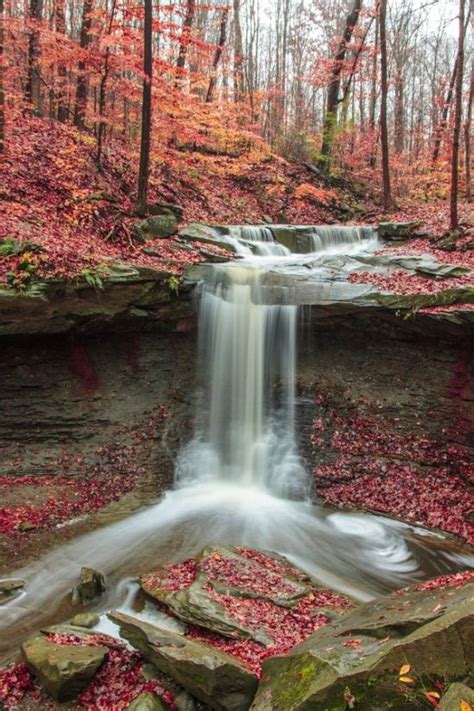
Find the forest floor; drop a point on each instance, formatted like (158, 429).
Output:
(74, 218)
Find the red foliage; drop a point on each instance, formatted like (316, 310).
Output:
(400, 474)
(117, 683)
(263, 576)
(445, 581)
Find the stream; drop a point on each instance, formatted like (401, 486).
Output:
(241, 479)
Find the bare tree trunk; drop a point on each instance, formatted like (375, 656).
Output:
(217, 55)
(440, 129)
(454, 217)
(143, 170)
(387, 190)
(239, 83)
(81, 87)
(2, 78)
(184, 41)
(61, 94)
(33, 86)
(102, 87)
(330, 119)
(467, 135)
(399, 111)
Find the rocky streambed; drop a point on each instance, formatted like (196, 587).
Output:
(235, 628)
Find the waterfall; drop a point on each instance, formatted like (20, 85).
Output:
(333, 237)
(245, 425)
(259, 240)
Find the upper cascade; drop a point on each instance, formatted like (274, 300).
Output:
(284, 240)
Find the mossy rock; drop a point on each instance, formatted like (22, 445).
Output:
(362, 654)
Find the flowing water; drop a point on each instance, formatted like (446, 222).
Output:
(241, 479)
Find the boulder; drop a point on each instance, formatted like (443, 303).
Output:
(210, 675)
(148, 701)
(166, 208)
(85, 619)
(90, 587)
(455, 695)
(62, 670)
(361, 655)
(156, 227)
(196, 604)
(398, 231)
(10, 587)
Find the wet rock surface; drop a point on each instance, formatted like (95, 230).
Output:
(91, 586)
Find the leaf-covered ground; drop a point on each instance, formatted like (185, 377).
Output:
(376, 466)
(54, 196)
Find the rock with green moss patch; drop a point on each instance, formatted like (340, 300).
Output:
(361, 655)
(62, 670)
(210, 675)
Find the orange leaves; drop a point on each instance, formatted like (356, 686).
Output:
(402, 674)
(306, 191)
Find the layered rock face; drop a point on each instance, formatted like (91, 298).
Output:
(84, 422)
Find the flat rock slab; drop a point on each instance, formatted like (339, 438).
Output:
(197, 592)
(62, 670)
(210, 675)
(362, 654)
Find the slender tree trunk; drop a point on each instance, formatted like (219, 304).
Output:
(143, 170)
(33, 87)
(61, 93)
(467, 135)
(2, 78)
(333, 100)
(102, 87)
(185, 35)
(217, 55)
(399, 111)
(440, 129)
(81, 87)
(239, 82)
(454, 217)
(387, 190)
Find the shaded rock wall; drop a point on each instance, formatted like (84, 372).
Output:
(75, 392)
